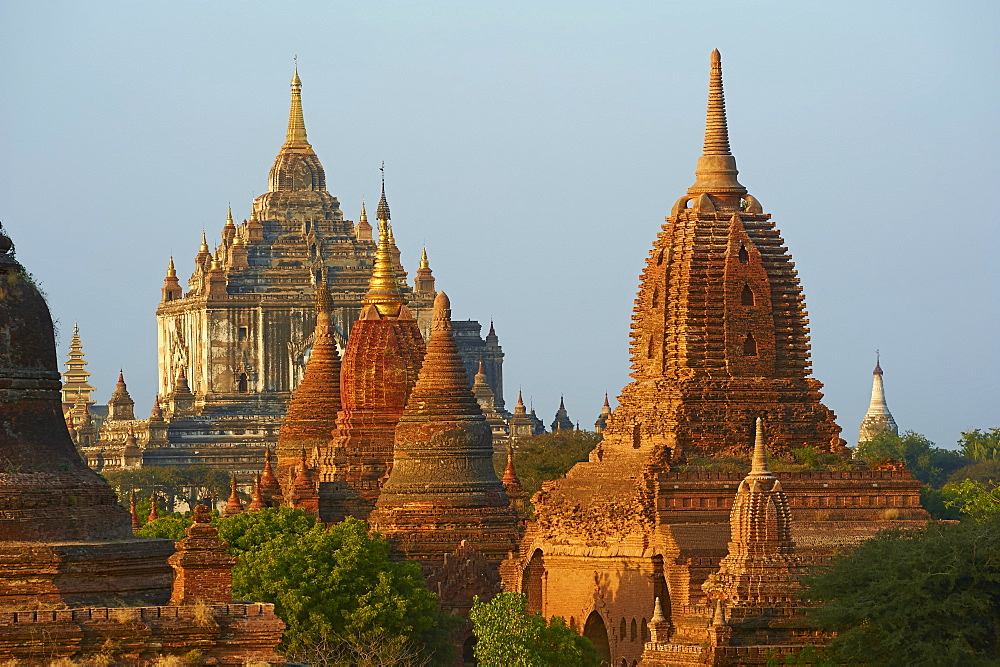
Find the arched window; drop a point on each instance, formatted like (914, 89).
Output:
(650, 348)
(623, 631)
(659, 258)
(749, 346)
(531, 586)
(744, 255)
(242, 384)
(645, 631)
(632, 634)
(595, 630)
(746, 297)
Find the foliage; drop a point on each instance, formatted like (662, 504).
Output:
(333, 587)
(187, 483)
(508, 635)
(980, 446)
(986, 472)
(929, 464)
(929, 596)
(548, 456)
(808, 655)
(935, 501)
(170, 527)
(973, 499)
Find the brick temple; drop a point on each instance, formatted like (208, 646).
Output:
(623, 546)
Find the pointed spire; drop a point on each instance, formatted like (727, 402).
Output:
(719, 617)
(364, 213)
(658, 616)
(171, 273)
(562, 404)
(878, 365)
(383, 289)
(229, 216)
(153, 514)
(510, 474)
(758, 465)
(234, 505)
(606, 403)
(136, 525)
(295, 137)
(204, 243)
(256, 499)
(878, 418)
(382, 212)
(716, 172)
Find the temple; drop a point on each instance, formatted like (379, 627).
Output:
(443, 505)
(75, 583)
(719, 340)
(242, 331)
(878, 419)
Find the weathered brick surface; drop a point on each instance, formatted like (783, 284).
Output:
(202, 565)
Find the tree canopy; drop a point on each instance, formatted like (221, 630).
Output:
(979, 445)
(508, 635)
(908, 597)
(550, 456)
(928, 463)
(173, 483)
(336, 589)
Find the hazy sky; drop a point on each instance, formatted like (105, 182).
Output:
(535, 148)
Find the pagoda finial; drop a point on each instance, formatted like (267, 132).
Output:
(424, 264)
(382, 212)
(606, 403)
(658, 616)
(229, 216)
(716, 172)
(171, 273)
(759, 462)
(442, 313)
(364, 213)
(878, 364)
(295, 137)
(383, 289)
(204, 243)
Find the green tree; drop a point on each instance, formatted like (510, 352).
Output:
(173, 484)
(549, 456)
(170, 527)
(981, 446)
(508, 635)
(928, 463)
(914, 597)
(336, 589)
(973, 499)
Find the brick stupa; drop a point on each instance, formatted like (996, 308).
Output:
(64, 535)
(380, 367)
(443, 505)
(312, 415)
(66, 546)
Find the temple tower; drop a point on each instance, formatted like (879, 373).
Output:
(602, 419)
(443, 488)
(311, 420)
(243, 330)
(121, 407)
(379, 369)
(76, 387)
(719, 330)
(878, 418)
(562, 422)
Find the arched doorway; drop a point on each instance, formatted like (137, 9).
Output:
(597, 633)
(531, 582)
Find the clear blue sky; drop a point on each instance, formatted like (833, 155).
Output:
(535, 148)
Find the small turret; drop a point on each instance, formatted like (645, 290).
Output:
(121, 407)
(234, 506)
(423, 283)
(171, 285)
(229, 229)
(602, 419)
(363, 230)
(878, 418)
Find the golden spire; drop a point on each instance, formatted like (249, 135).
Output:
(424, 264)
(716, 172)
(364, 213)
(295, 138)
(229, 216)
(204, 243)
(171, 273)
(383, 289)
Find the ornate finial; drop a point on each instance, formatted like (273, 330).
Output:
(382, 212)
(716, 129)
(424, 264)
(606, 403)
(562, 405)
(364, 213)
(878, 364)
(520, 399)
(716, 172)
(171, 273)
(759, 462)
(204, 243)
(658, 616)
(121, 376)
(383, 289)
(719, 618)
(295, 137)
(442, 312)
